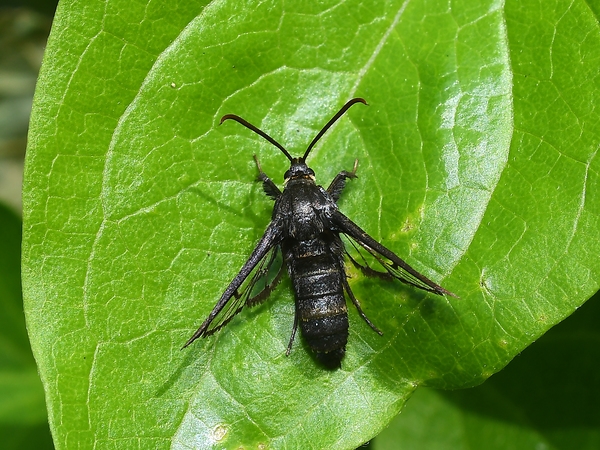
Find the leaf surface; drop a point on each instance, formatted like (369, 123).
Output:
(477, 165)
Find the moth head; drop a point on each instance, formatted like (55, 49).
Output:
(298, 169)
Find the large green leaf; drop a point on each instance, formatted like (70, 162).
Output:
(477, 164)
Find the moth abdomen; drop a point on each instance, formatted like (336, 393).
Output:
(317, 272)
(326, 333)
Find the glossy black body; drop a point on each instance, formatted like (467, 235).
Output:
(305, 229)
(314, 257)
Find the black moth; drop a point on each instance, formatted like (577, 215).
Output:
(304, 236)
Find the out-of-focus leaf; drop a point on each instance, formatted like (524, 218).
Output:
(23, 418)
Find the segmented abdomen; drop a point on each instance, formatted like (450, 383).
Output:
(316, 272)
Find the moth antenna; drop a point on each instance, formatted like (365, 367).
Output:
(331, 122)
(257, 131)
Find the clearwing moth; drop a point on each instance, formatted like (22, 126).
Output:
(304, 236)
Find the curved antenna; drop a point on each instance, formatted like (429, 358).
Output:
(257, 131)
(331, 122)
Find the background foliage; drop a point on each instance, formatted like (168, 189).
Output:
(23, 418)
(547, 398)
(478, 164)
(23, 422)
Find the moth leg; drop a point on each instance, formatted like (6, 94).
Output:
(293, 336)
(263, 273)
(360, 311)
(337, 185)
(269, 187)
(366, 269)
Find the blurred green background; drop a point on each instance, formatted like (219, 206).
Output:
(24, 28)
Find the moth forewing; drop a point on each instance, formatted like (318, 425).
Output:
(232, 300)
(393, 264)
